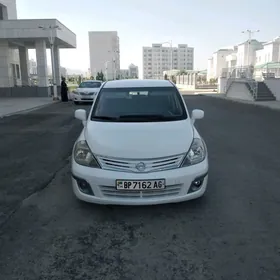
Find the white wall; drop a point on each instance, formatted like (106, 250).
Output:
(246, 54)
(274, 86)
(11, 8)
(269, 53)
(239, 90)
(219, 61)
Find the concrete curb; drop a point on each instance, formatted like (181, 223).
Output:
(222, 96)
(24, 111)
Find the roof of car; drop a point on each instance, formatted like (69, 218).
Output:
(92, 81)
(137, 83)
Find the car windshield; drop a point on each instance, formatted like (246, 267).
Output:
(139, 105)
(90, 85)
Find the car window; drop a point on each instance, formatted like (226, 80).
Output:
(90, 85)
(139, 105)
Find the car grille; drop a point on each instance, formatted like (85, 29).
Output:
(86, 94)
(169, 191)
(130, 165)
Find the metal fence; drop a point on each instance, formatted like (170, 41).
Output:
(238, 72)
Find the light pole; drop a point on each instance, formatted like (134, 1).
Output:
(114, 63)
(171, 55)
(250, 33)
(106, 69)
(51, 28)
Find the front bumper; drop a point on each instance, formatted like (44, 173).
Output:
(83, 98)
(102, 184)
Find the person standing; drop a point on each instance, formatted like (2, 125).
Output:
(64, 91)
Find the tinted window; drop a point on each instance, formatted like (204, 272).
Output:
(139, 105)
(90, 85)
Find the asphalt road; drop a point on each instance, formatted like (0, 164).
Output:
(231, 233)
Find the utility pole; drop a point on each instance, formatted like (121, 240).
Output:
(250, 33)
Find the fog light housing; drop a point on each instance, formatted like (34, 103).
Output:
(83, 186)
(197, 184)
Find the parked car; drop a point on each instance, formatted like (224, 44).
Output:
(139, 146)
(86, 91)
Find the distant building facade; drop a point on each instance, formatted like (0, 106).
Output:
(133, 71)
(159, 58)
(104, 52)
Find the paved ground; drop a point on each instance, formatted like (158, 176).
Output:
(274, 105)
(232, 233)
(12, 105)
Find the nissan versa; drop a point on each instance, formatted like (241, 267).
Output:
(139, 146)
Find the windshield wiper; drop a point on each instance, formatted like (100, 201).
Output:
(105, 118)
(146, 118)
(142, 117)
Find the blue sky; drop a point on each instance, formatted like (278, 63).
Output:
(205, 25)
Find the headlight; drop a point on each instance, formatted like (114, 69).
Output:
(196, 153)
(76, 92)
(84, 156)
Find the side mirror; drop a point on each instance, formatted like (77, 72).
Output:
(81, 114)
(197, 115)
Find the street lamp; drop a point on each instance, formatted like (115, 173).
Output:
(171, 55)
(250, 33)
(51, 28)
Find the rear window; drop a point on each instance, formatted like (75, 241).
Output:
(139, 105)
(90, 85)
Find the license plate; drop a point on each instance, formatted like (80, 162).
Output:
(142, 185)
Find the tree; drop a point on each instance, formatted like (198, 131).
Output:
(79, 79)
(91, 78)
(100, 76)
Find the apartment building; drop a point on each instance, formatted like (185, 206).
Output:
(124, 74)
(104, 52)
(159, 58)
(133, 71)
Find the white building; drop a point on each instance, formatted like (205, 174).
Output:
(124, 74)
(217, 62)
(16, 37)
(248, 53)
(159, 58)
(133, 71)
(269, 53)
(104, 52)
(32, 67)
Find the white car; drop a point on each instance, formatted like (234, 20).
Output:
(139, 146)
(86, 91)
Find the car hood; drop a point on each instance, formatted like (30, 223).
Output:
(87, 90)
(139, 140)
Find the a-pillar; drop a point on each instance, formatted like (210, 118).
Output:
(42, 68)
(56, 55)
(24, 65)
